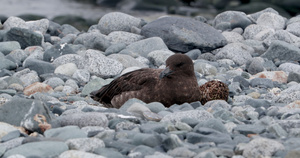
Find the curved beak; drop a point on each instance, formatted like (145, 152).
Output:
(165, 73)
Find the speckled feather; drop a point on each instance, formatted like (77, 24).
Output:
(213, 90)
(178, 87)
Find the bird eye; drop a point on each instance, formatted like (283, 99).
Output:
(179, 64)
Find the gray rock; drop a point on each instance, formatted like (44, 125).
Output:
(54, 82)
(9, 46)
(150, 140)
(289, 67)
(153, 127)
(39, 149)
(83, 119)
(71, 153)
(114, 48)
(255, 66)
(181, 152)
(293, 77)
(283, 51)
(66, 69)
(25, 37)
(292, 154)
(193, 54)
(14, 22)
(260, 147)
(69, 58)
(281, 35)
(203, 134)
(141, 150)
(109, 152)
(231, 18)
(81, 75)
(66, 29)
(7, 64)
(27, 110)
(18, 55)
(271, 20)
(93, 85)
(93, 40)
(257, 103)
(233, 37)
(85, 144)
(155, 107)
(215, 124)
(262, 82)
(41, 67)
(159, 57)
(38, 25)
(205, 68)
(35, 52)
(99, 65)
(257, 45)
(238, 52)
(172, 142)
(278, 130)
(158, 154)
(294, 28)
(249, 129)
(11, 135)
(116, 21)
(144, 47)
(123, 37)
(184, 34)
(27, 77)
(288, 95)
(200, 115)
(65, 133)
(5, 129)
(216, 105)
(126, 60)
(252, 31)
(257, 14)
(56, 51)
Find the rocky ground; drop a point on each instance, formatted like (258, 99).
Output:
(48, 71)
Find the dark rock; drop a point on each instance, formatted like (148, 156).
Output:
(261, 82)
(256, 103)
(41, 67)
(67, 29)
(193, 54)
(93, 40)
(215, 124)
(5, 72)
(25, 37)
(184, 34)
(7, 64)
(254, 66)
(65, 133)
(208, 135)
(54, 28)
(293, 76)
(78, 22)
(243, 82)
(26, 110)
(56, 51)
(122, 147)
(150, 140)
(231, 19)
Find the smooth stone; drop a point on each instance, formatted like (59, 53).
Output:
(114, 48)
(260, 147)
(281, 35)
(184, 34)
(155, 107)
(153, 127)
(181, 152)
(234, 18)
(81, 75)
(41, 67)
(278, 130)
(215, 124)
(83, 119)
(233, 37)
(203, 134)
(144, 47)
(121, 146)
(257, 14)
(18, 55)
(98, 64)
(5, 128)
(39, 149)
(9, 46)
(215, 105)
(243, 82)
(124, 38)
(255, 66)
(283, 51)
(38, 25)
(66, 69)
(56, 51)
(193, 54)
(238, 52)
(11, 135)
(261, 82)
(205, 68)
(109, 152)
(12, 143)
(290, 67)
(171, 142)
(24, 36)
(7, 64)
(294, 28)
(200, 115)
(14, 22)
(85, 144)
(93, 40)
(69, 58)
(65, 133)
(180, 108)
(126, 60)
(27, 110)
(150, 140)
(93, 85)
(293, 77)
(253, 30)
(141, 150)
(256, 103)
(77, 153)
(277, 76)
(271, 20)
(117, 21)
(249, 129)
(159, 57)
(37, 87)
(54, 82)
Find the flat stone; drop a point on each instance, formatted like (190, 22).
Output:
(71, 153)
(93, 40)
(117, 21)
(159, 57)
(9, 46)
(41, 67)
(233, 19)
(39, 149)
(85, 144)
(283, 51)
(184, 34)
(123, 37)
(65, 133)
(66, 69)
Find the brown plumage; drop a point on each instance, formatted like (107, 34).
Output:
(213, 90)
(176, 84)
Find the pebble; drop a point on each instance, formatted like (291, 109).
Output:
(45, 82)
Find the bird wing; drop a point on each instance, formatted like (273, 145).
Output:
(132, 81)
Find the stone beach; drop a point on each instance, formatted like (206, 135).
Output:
(47, 71)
